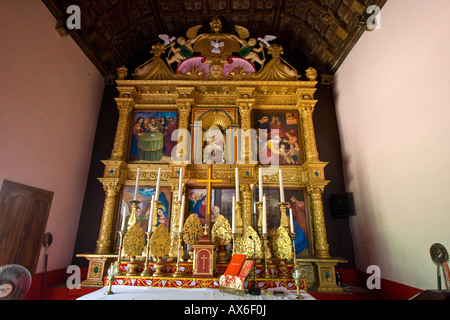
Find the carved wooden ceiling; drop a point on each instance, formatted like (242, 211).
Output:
(113, 32)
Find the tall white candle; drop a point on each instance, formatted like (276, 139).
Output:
(180, 228)
(264, 222)
(124, 215)
(291, 220)
(281, 186)
(157, 185)
(179, 184)
(150, 216)
(260, 184)
(136, 188)
(233, 213)
(237, 184)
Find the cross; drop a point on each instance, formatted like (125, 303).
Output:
(203, 258)
(209, 181)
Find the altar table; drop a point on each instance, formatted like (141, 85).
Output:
(151, 293)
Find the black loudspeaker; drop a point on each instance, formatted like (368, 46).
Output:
(341, 205)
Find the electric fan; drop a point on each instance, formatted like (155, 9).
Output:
(439, 255)
(15, 281)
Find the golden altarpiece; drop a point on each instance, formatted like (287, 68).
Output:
(173, 113)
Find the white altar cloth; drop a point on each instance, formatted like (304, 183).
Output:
(149, 293)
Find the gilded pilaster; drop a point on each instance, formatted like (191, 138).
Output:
(245, 103)
(105, 237)
(184, 105)
(321, 247)
(125, 104)
(306, 114)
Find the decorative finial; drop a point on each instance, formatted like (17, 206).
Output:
(122, 72)
(158, 49)
(216, 24)
(276, 51)
(311, 74)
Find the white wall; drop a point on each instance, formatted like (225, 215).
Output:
(393, 108)
(50, 95)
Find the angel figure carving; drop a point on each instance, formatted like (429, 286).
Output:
(248, 50)
(184, 49)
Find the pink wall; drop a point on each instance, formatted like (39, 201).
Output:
(49, 103)
(393, 109)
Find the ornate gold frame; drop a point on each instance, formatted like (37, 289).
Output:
(162, 89)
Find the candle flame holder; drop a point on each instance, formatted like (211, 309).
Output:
(146, 271)
(119, 254)
(111, 277)
(178, 272)
(296, 275)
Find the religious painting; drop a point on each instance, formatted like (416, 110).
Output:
(151, 136)
(221, 204)
(278, 134)
(144, 195)
(296, 202)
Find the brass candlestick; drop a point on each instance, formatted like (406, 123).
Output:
(259, 206)
(175, 218)
(293, 235)
(111, 274)
(178, 272)
(233, 237)
(146, 271)
(238, 209)
(266, 268)
(296, 276)
(296, 272)
(119, 255)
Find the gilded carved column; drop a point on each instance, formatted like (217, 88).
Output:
(125, 106)
(184, 111)
(245, 104)
(104, 242)
(247, 205)
(321, 247)
(306, 114)
(316, 182)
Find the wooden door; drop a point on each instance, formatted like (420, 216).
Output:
(23, 218)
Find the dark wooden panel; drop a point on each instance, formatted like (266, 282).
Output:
(23, 218)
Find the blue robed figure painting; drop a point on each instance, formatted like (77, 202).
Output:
(144, 195)
(300, 223)
(296, 202)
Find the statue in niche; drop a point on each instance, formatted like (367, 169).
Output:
(213, 152)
